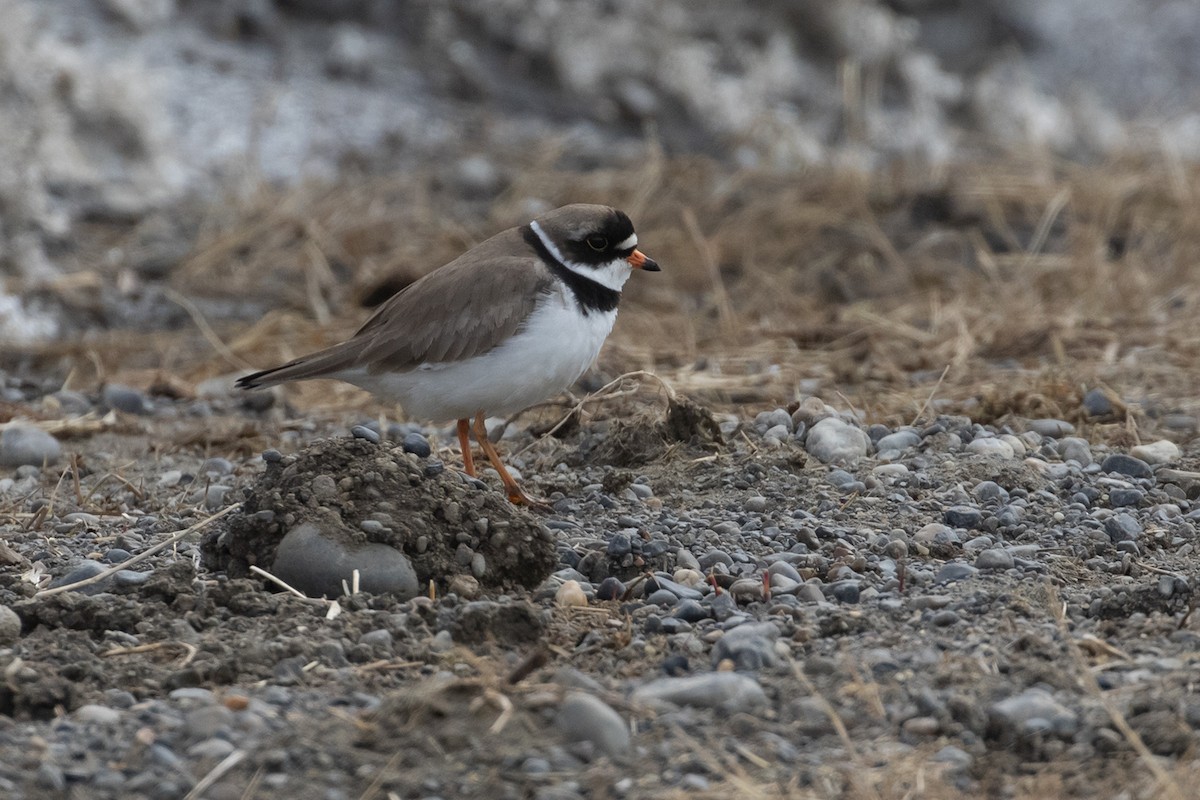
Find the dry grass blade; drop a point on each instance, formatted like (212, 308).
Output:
(205, 329)
(229, 762)
(282, 584)
(190, 651)
(126, 564)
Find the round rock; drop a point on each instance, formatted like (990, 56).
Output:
(583, 717)
(1123, 464)
(834, 441)
(25, 445)
(10, 626)
(316, 564)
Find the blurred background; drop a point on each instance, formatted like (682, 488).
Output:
(994, 199)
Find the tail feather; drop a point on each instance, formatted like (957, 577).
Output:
(317, 365)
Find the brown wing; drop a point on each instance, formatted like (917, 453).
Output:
(461, 310)
(457, 311)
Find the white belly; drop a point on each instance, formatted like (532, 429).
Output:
(555, 347)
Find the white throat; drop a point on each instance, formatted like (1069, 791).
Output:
(611, 275)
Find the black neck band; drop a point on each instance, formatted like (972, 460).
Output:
(590, 295)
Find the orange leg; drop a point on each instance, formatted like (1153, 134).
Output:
(516, 494)
(464, 444)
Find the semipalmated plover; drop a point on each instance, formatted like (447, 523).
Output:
(505, 325)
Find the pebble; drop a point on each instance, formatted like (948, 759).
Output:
(1097, 403)
(750, 646)
(610, 589)
(755, 505)
(726, 691)
(954, 571)
(1164, 451)
(125, 399)
(583, 717)
(82, 571)
(418, 445)
(1122, 527)
(465, 586)
(848, 591)
(900, 440)
(316, 561)
(363, 432)
(991, 446)
(1052, 428)
(833, 441)
(1119, 498)
(216, 467)
(10, 626)
(963, 517)
(689, 610)
(1032, 711)
(570, 593)
(1123, 464)
(1072, 448)
(994, 558)
(986, 491)
(214, 496)
(25, 445)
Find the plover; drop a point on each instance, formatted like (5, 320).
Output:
(507, 324)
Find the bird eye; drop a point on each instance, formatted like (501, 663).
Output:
(598, 243)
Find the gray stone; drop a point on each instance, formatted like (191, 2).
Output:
(583, 717)
(214, 496)
(847, 591)
(727, 691)
(1123, 464)
(1096, 403)
(994, 558)
(750, 646)
(1031, 711)
(316, 564)
(833, 441)
(954, 571)
(1122, 528)
(418, 445)
(22, 445)
(125, 399)
(963, 517)
(1053, 428)
(989, 490)
(689, 611)
(10, 626)
(991, 446)
(1072, 448)
(363, 432)
(82, 571)
(1120, 498)
(900, 440)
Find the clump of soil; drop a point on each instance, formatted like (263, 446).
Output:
(430, 514)
(644, 439)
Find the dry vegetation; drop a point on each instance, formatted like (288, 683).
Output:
(1016, 286)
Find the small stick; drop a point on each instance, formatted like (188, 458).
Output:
(929, 399)
(287, 587)
(142, 556)
(229, 762)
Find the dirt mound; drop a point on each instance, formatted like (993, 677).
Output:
(644, 439)
(360, 494)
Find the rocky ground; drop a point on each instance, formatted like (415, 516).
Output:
(790, 604)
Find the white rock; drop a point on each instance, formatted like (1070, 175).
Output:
(988, 446)
(833, 441)
(1163, 451)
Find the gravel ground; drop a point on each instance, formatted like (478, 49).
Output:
(791, 604)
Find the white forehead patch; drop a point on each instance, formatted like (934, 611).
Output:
(629, 243)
